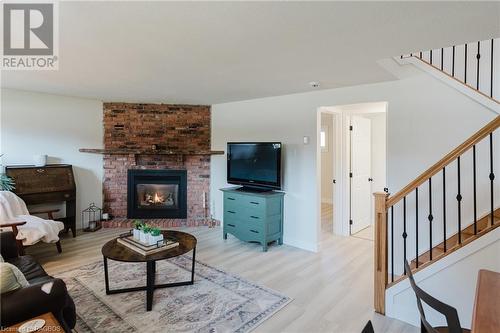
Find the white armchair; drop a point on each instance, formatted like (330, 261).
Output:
(27, 228)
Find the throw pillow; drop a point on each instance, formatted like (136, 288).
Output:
(11, 278)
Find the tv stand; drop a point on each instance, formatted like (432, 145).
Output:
(253, 189)
(253, 216)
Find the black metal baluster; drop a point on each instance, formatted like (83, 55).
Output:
(478, 56)
(392, 243)
(453, 62)
(465, 70)
(459, 201)
(474, 187)
(416, 227)
(491, 75)
(430, 57)
(404, 230)
(444, 208)
(420, 55)
(442, 58)
(430, 219)
(492, 177)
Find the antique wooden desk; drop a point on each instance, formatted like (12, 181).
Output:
(53, 183)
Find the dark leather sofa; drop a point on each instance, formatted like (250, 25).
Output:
(28, 302)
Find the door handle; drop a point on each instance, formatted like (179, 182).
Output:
(335, 181)
(370, 179)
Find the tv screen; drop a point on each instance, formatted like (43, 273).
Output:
(254, 164)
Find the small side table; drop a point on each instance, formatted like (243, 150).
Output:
(51, 324)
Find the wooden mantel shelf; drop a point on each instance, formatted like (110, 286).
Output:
(149, 152)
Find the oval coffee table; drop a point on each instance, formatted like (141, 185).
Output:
(115, 251)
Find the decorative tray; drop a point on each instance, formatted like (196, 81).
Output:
(128, 241)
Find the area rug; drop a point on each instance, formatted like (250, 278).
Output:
(216, 302)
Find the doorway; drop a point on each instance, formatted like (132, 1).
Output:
(326, 143)
(352, 166)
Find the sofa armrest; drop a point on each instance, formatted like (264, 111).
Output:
(31, 301)
(8, 245)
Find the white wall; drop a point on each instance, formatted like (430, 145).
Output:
(35, 123)
(327, 160)
(458, 272)
(426, 119)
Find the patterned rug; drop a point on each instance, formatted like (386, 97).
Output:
(217, 302)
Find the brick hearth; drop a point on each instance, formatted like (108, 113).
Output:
(170, 127)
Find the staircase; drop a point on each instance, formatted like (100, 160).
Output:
(474, 65)
(447, 207)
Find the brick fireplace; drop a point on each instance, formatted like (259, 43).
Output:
(157, 137)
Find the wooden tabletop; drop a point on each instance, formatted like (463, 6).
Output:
(114, 250)
(486, 315)
(51, 324)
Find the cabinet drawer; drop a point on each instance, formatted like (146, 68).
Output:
(230, 226)
(252, 216)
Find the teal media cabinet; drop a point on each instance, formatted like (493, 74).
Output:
(253, 217)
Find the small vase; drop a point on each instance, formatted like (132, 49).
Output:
(137, 234)
(144, 237)
(40, 160)
(153, 240)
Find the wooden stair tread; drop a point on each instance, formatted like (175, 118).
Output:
(483, 227)
(482, 224)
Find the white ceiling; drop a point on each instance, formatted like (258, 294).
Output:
(206, 53)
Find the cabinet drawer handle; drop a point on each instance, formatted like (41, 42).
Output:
(40, 170)
(231, 198)
(254, 203)
(254, 231)
(231, 225)
(230, 211)
(255, 217)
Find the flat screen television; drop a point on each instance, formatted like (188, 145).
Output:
(254, 165)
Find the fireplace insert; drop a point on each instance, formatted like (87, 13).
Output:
(157, 194)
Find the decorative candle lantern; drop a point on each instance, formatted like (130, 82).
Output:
(91, 218)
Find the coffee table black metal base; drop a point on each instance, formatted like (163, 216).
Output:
(150, 281)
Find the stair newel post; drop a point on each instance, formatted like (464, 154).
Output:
(380, 244)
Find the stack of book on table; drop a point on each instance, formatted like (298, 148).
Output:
(146, 249)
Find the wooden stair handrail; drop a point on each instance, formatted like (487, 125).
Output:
(455, 79)
(445, 161)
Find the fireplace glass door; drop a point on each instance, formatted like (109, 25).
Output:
(157, 196)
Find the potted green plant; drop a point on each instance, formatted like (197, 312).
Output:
(155, 236)
(137, 229)
(6, 183)
(144, 234)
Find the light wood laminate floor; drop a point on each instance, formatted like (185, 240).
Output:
(332, 290)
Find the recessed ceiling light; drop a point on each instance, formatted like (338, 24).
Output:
(314, 84)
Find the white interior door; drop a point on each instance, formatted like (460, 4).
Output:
(361, 196)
